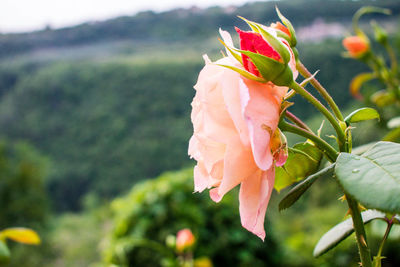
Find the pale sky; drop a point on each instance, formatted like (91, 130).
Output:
(27, 15)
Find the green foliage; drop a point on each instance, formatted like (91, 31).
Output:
(341, 231)
(296, 192)
(372, 178)
(23, 196)
(300, 227)
(303, 160)
(362, 114)
(157, 208)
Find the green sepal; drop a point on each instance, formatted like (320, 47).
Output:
(341, 231)
(289, 26)
(362, 114)
(276, 44)
(233, 53)
(283, 35)
(272, 40)
(296, 192)
(269, 68)
(285, 78)
(244, 73)
(250, 23)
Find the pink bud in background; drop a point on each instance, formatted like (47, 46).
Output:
(184, 239)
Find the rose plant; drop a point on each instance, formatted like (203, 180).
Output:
(383, 68)
(239, 113)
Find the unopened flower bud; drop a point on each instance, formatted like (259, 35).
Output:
(264, 55)
(184, 240)
(356, 46)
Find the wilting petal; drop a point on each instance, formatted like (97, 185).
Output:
(203, 179)
(254, 196)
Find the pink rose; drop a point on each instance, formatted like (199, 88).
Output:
(235, 139)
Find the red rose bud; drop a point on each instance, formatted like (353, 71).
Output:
(254, 42)
(356, 46)
(184, 240)
(264, 55)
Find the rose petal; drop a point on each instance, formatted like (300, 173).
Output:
(261, 112)
(238, 166)
(254, 196)
(232, 98)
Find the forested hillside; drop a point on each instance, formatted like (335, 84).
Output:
(184, 24)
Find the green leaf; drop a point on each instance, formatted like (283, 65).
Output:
(4, 252)
(341, 231)
(298, 165)
(362, 114)
(372, 178)
(296, 192)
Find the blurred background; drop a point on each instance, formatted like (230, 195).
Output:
(95, 122)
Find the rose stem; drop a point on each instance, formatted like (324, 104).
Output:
(310, 98)
(323, 92)
(328, 150)
(297, 121)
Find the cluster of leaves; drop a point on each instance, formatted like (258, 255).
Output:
(160, 207)
(23, 196)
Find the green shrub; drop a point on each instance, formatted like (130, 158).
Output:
(157, 208)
